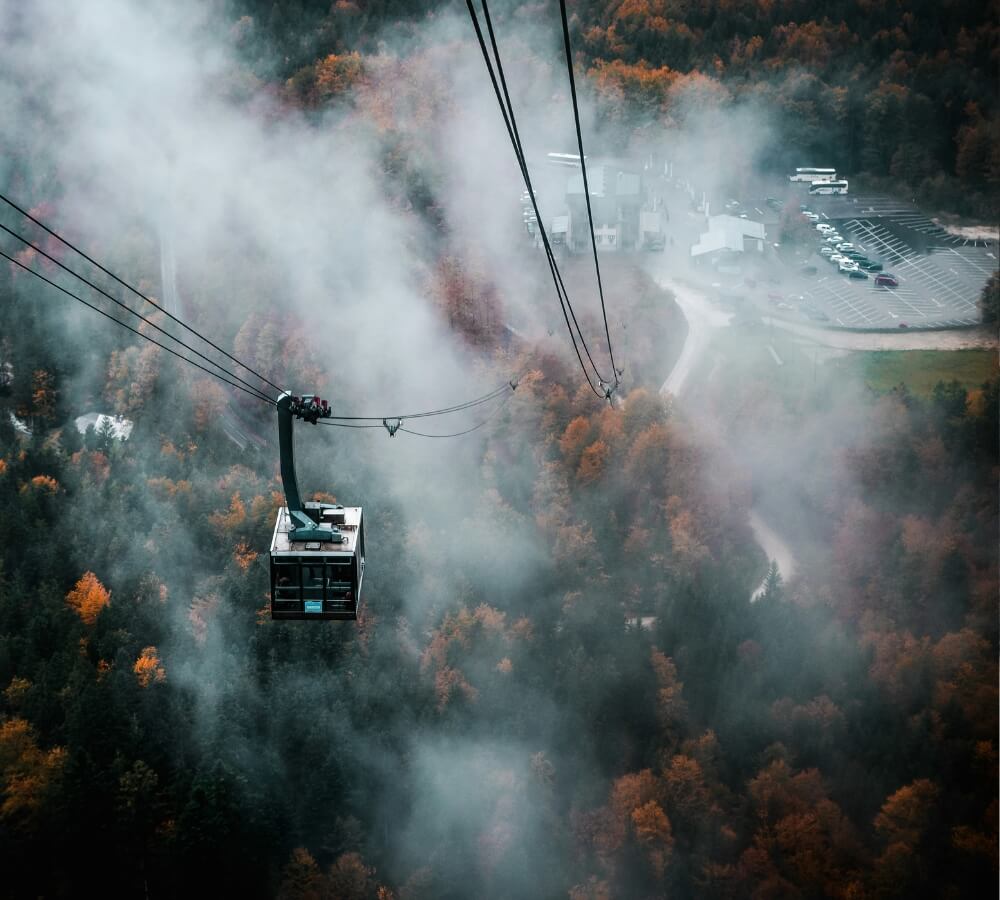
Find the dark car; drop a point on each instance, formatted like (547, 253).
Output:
(857, 273)
(774, 203)
(870, 266)
(886, 280)
(808, 270)
(903, 325)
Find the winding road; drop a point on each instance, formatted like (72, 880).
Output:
(703, 319)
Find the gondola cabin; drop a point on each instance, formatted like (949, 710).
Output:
(318, 579)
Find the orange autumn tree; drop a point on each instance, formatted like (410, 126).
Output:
(147, 667)
(88, 598)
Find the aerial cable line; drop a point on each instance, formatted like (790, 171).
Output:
(583, 169)
(128, 309)
(245, 386)
(512, 385)
(512, 129)
(510, 121)
(518, 152)
(257, 395)
(476, 427)
(137, 292)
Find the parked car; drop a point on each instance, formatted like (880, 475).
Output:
(807, 270)
(857, 273)
(886, 280)
(811, 216)
(845, 245)
(827, 251)
(903, 325)
(848, 266)
(822, 226)
(834, 239)
(870, 266)
(838, 258)
(774, 203)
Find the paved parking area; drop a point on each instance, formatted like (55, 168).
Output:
(940, 275)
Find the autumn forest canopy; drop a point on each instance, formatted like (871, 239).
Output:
(557, 686)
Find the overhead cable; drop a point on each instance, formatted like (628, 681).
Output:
(136, 291)
(507, 112)
(107, 315)
(586, 186)
(475, 427)
(511, 385)
(128, 309)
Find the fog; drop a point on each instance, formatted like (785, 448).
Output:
(186, 175)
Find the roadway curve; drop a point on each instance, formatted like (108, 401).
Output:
(703, 319)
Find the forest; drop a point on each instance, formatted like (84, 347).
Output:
(557, 686)
(899, 93)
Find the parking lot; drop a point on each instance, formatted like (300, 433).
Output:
(940, 275)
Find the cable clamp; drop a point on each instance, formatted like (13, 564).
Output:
(392, 426)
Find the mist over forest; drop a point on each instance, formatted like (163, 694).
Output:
(732, 634)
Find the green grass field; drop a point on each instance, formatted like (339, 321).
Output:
(920, 370)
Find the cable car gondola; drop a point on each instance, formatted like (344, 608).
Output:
(317, 549)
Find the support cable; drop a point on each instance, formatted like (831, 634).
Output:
(522, 162)
(107, 315)
(476, 427)
(136, 291)
(128, 309)
(586, 186)
(553, 267)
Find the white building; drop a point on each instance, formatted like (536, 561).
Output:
(728, 236)
(121, 427)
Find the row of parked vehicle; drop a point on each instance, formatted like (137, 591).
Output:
(849, 259)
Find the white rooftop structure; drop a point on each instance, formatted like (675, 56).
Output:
(121, 427)
(730, 233)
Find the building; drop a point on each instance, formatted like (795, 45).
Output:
(615, 201)
(726, 242)
(119, 427)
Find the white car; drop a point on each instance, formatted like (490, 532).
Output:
(811, 216)
(827, 251)
(848, 266)
(834, 239)
(822, 226)
(846, 245)
(838, 258)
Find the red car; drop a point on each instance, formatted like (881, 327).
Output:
(886, 280)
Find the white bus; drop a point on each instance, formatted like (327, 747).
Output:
(812, 175)
(563, 159)
(828, 187)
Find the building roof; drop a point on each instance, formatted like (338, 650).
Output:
(727, 233)
(281, 545)
(121, 427)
